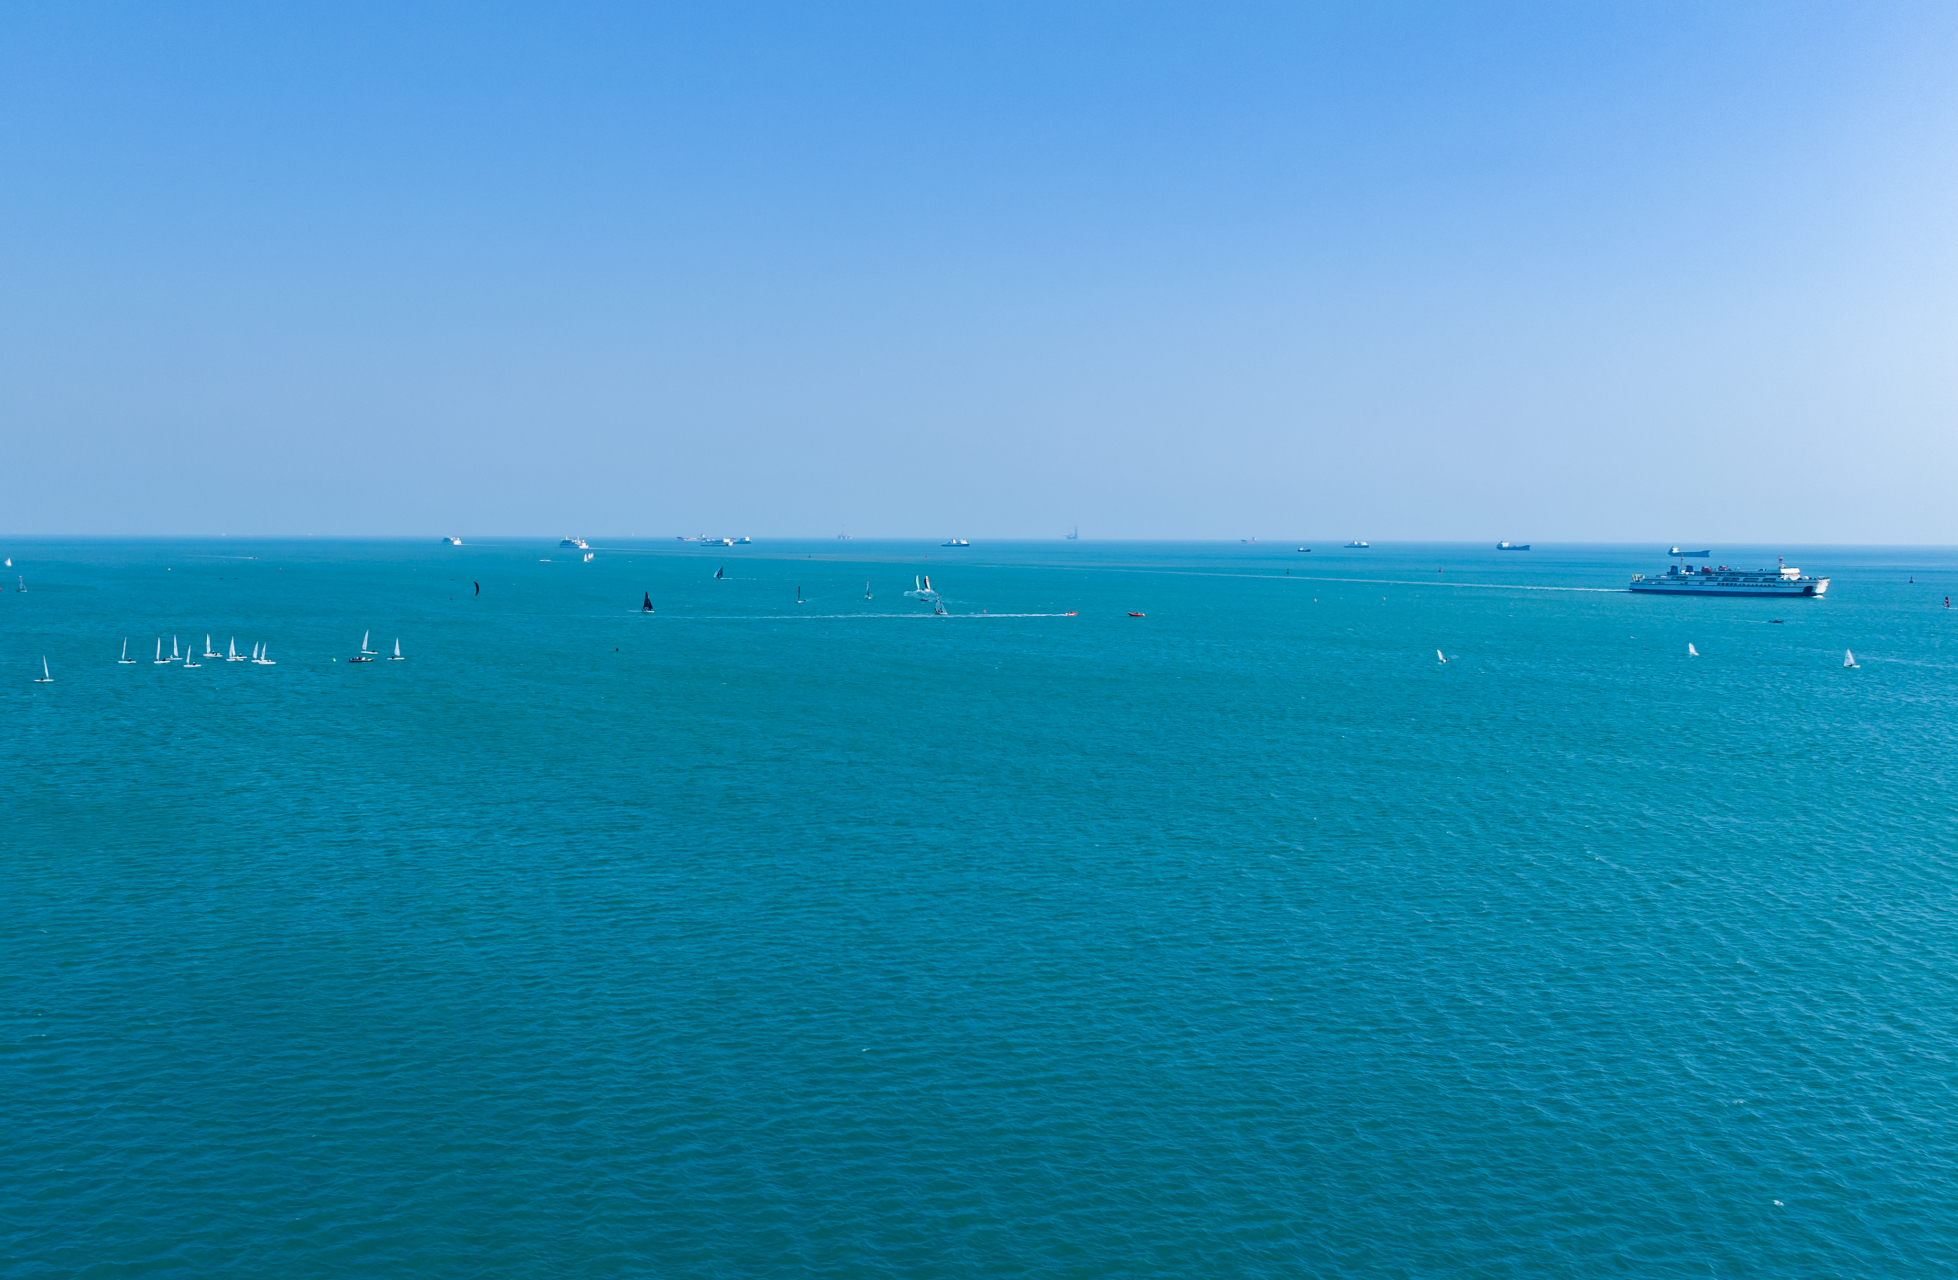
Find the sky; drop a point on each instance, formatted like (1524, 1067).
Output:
(1639, 272)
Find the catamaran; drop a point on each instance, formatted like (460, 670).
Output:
(126, 660)
(922, 590)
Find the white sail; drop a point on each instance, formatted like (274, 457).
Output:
(174, 655)
(1848, 658)
(1439, 657)
(397, 649)
(1691, 651)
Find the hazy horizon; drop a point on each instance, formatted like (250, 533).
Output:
(1168, 272)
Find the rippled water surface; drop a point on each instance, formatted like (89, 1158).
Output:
(761, 939)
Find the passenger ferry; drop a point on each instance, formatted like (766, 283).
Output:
(575, 544)
(1707, 580)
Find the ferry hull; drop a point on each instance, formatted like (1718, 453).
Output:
(1812, 589)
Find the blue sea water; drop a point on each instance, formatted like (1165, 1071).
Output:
(752, 938)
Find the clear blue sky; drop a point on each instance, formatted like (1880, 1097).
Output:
(1632, 272)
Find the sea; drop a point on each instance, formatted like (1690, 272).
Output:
(1157, 910)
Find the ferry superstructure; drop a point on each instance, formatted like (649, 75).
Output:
(1707, 580)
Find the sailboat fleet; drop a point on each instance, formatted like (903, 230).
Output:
(259, 656)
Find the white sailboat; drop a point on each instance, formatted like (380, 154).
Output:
(126, 660)
(233, 655)
(397, 651)
(174, 655)
(1848, 659)
(160, 659)
(363, 644)
(188, 663)
(44, 677)
(1439, 657)
(209, 652)
(1691, 652)
(261, 659)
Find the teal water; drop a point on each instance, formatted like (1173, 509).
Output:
(757, 939)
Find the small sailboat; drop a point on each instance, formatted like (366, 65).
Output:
(44, 677)
(397, 651)
(1691, 652)
(866, 591)
(1076, 535)
(209, 652)
(1439, 657)
(938, 607)
(126, 660)
(363, 644)
(259, 651)
(23, 584)
(10, 562)
(188, 664)
(720, 573)
(648, 606)
(1848, 659)
(798, 594)
(174, 655)
(160, 659)
(233, 655)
